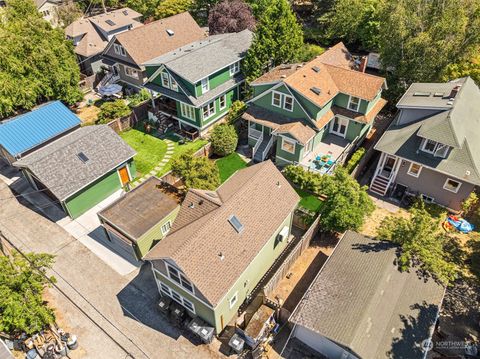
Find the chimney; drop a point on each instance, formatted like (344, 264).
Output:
(363, 64)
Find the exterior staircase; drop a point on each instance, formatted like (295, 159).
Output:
(262, 150)
(380, 185)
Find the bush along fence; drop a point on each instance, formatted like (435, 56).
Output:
(125, 123)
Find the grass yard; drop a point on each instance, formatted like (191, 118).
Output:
(309, 201)
(228, 165)
(150, 150)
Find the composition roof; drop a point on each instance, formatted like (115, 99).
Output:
(24, 132)
(362, 301)
(206, 247)
(137, 211)
(152, 40)
(59, 167)
(458, 127)
(216, 52)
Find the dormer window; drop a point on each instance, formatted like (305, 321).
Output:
(119, 50)
(434, 148)
(353, 103)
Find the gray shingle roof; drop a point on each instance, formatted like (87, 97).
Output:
(202, 58)
(59, 168)
(361, 301)
(457, 126)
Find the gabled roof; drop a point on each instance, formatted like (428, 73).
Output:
(458, 126)
(361, 301)
(59, 167)
(206, 247)
(152, 40)
(24, 132)
(202, 58)
(137, 211)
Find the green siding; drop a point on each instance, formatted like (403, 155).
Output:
(312, 109)
(373, 102)
(355, 129)
(154, 235)
(284, 155)
(266, 102)
(341, 100)
(96, 192)
(214, 80)
(258, 89)
(251, 276)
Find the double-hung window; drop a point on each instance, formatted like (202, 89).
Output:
(452, 185)
(282, 100)
(353, 103)
(131, 72)
(288, 102)
(165, 80)
(205, 85)
(187, 111)
(288, 145)
(277, 99)
(235, 68)
(414, 169)
(209, 109)
(223, 102)
(173, 84)
(166, 227)
(119, 50)
(435, 148)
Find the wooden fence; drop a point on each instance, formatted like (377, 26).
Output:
(125, 123)
(298, 248)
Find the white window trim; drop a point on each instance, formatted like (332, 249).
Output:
(273, 99)
(180, 275)
(134, 73)
(119, 50)
(452, 190)
(173, 84)
(205, 89)
(425, 141)
(285, 101)
(165, 76)
(284, 139)
(171, 292)
(234, 68)
(416, 175)
(233, 300)
(350, 101)
(210, 114)
(430, 200)
(187, 111)
(224, 97)
(169, 222)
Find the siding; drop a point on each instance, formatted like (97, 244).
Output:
(266, 102)
(411, 115)
(131, 80)
(96, 192)
(214, 80)
(431, 183)
(282, 155)
(355, 129)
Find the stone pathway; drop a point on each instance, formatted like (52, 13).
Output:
(159, 167)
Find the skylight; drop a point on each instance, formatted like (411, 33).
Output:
(316, 90)
(83, 157)
(170, 32)
(110, 22)
(316, 68)
(438, 94)
(421, 94)
(236, 224)
(125, 12)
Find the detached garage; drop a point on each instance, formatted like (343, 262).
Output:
(361, 306)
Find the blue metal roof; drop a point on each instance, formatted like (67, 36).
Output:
(31, 129)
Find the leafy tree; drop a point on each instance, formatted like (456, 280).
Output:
(419, 39)
(22, 307)
(37, 63)
(230, 16)
(258, 7)
(347, 203)
(467, 67)
(138, 98)
(224, 139)
(145, 7)
(196, 172)
(112, 110)
(305, 180)
(68, 13)
(278, 39)
(201, 10)
(309, 52)
(236, 110)
(168, 8)
(423, 244)
(354, 22)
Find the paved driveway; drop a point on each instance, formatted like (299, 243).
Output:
(114, 315)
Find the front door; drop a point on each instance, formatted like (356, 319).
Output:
(388, 166)
(339, 126)
(124, 177)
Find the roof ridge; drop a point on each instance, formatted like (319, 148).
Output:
(352, 70)
(471, 158)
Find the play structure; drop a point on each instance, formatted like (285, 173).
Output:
(456, 223)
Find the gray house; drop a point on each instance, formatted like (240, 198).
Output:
(126, 52)
(361, 306)
(432, 148)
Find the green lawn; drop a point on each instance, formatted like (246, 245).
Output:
(150, 150)
(229, 165)
(309, 201)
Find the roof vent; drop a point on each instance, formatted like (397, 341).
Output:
(110, 22)
(221, 256)
(236, 224)
(316, 68)
(421, 94)
(278, 184)
(450, 102)
(438, 94)
(125, 12)
(170, 32)
(82, 157)
(191, 205)
(316, 90)
(283, 76)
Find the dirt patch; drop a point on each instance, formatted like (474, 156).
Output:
(370, 227)
(88, 114)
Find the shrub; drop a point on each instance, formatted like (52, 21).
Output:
(236, 110)
(305, 180)
(196, 172)
(309, 51)
(355, 159)
(112, 110)
(138, 98)
(224, 139)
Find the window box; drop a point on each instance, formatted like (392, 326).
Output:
(452, 185)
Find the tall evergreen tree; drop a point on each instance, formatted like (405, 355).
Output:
(37, 63)
(278, 39)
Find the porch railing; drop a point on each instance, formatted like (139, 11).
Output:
(259, 142)
(254, 133)
(267, 148)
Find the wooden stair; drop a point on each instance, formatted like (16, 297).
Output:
(379, 185)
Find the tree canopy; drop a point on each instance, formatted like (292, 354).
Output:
(423, 244)
(168, 8)
(37, 63)
(278, 39)
(230, 16)
(196, 172)
(224, 139)
(22, 307)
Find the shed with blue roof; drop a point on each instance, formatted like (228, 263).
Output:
(25, 133)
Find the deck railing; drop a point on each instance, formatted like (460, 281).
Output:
(259, 142)
(254, 133)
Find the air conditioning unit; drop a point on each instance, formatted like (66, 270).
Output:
(283, 235)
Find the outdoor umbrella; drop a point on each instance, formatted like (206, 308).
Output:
(110, 90)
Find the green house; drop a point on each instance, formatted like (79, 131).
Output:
(224, 241)
(81, 168)
(140, 219)
(313, 114)
(199, 81)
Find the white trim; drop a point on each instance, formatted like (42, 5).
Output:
(279, 100)
(452, 190)
(236, 68)
(119, 50)
(170, 292)
(416, 175)
(181, 280)
(350, 101)
(224, 96)
(265, 92)
(424, 143)
(210, 114)
(285, 101)
(426, 198)
(332, 122)
(120, 178)
(165, 76)
(292, 142)
(185, 110)
(136, 76)
(202, 82)
(169, 222)
(235, 297)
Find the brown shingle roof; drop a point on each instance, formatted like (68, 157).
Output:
(277, 73)
(338, 55)
(367, 118)
(261, 198)
(152, 40)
